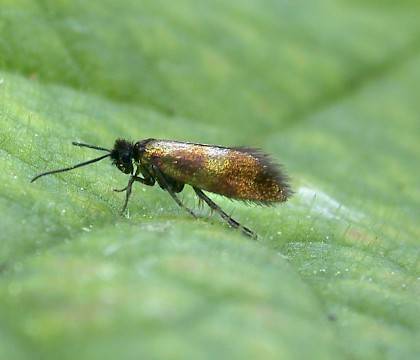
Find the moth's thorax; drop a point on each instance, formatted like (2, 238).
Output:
(139, 151)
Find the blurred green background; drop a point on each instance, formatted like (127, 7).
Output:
(330, 88)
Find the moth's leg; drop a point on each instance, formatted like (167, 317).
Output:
(164, 185)
(147, 180)
(120, 190)
(226, 217)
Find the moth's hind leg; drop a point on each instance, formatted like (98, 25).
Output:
(226, 217)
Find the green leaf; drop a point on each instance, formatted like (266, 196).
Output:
(330, 89)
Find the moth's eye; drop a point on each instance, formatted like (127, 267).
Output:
(125, 158)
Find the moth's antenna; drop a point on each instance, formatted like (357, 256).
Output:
(90, 146)
(77, 165)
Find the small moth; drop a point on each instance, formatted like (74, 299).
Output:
(239, 173)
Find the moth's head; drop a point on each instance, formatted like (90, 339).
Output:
(122, 155)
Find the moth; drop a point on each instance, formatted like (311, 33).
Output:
(239, 173)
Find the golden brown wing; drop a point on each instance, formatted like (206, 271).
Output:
(239, 173)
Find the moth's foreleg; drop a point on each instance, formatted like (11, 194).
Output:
(150, 181)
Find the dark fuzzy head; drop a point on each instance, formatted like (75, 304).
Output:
(122, 155)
